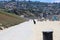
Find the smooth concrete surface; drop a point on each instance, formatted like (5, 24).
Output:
(30, 31)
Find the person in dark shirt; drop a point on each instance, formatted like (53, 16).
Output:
(34, 21)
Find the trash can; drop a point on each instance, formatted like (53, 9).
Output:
(47, 35)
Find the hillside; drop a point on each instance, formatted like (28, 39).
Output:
(36, 8)
(8, 20)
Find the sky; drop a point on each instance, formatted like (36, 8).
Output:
(57, 0)
(46, 1)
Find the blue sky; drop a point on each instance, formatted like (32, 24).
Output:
(45, 0)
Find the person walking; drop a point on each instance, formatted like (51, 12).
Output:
(34, 21)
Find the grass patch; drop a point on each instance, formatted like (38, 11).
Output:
(8, 19)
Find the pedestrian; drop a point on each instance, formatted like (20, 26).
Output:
(34, 21)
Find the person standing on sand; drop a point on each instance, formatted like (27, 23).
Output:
(34, 21)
